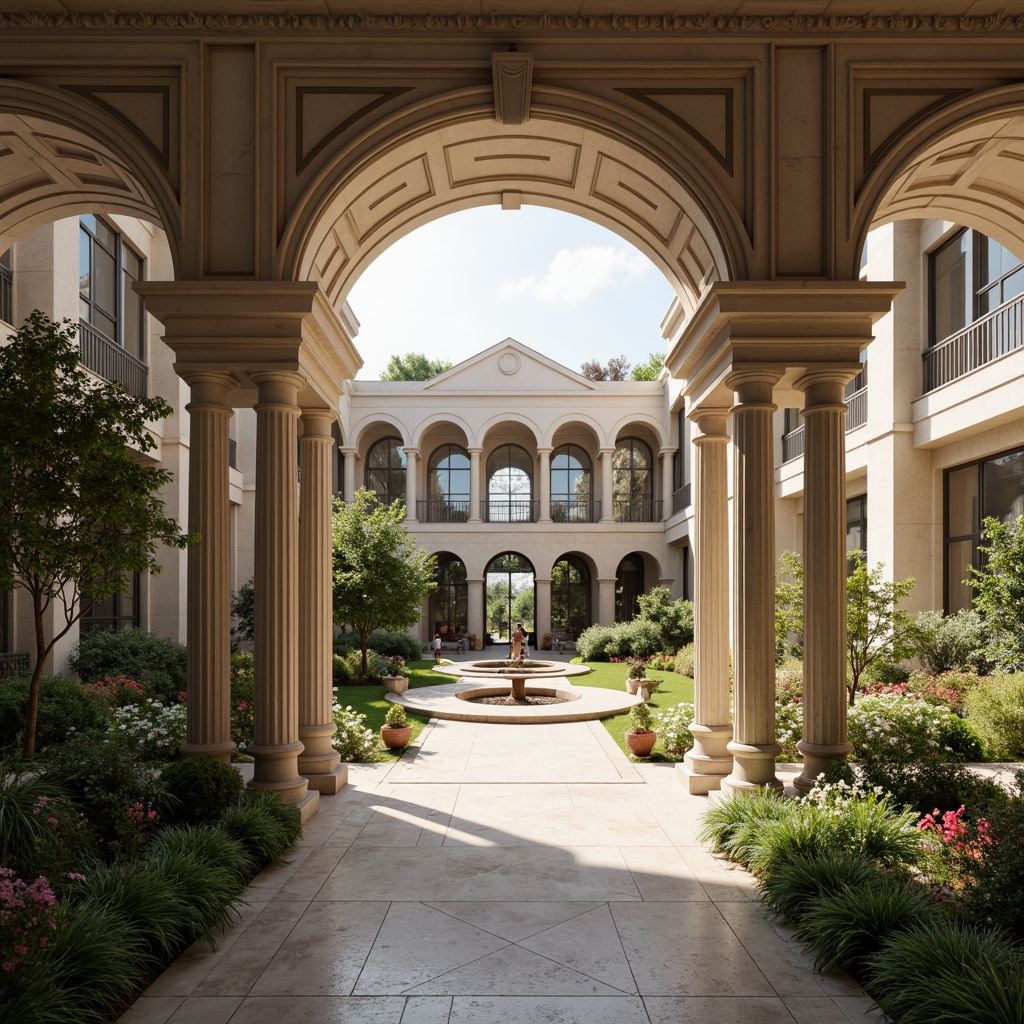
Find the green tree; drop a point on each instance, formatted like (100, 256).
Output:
(380, 575)
(617, 369)
(523, 607)
(414, 366)
(674, 619)
(1000, 590)
(79, 511)
(651, 370)
(877, 630)
(498, 603)
(789, 603)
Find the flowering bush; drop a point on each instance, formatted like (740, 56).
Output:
(154, 730)
(395, 665)
(894, 727)
(954, 847)
(27, 917)
(352, 740)
(946, 690)
(637, 667)
(789, 729)
(673, 726)
(242, 700)
(117, 690)
(138, 820)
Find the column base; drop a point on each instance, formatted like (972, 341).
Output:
(329, 783)
(753, 768)
(818, 758)
(221, 751)
(277, 768)
(708, 761)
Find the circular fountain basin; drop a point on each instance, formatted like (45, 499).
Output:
(528, 669)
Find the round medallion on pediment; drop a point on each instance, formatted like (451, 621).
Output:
(509, 363)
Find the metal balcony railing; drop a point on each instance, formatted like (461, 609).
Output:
(498, 510)
(793, 444)
(857, 409)
(575, 510)
(636, 510)
(680, 499)
(443, 510)
(110, 361)
(989, 337)
(6, 295)
(13, 666)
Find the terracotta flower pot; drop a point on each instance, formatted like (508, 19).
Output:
(641, 743)
(394, 684)
(395, 737)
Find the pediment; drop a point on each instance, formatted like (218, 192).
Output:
(509, 366)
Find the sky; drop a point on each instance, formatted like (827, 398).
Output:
(558, 283)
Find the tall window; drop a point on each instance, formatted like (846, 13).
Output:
(449, 602)
(992, 487)
(570, 485)
(118, 612)
(570, 596)
(633, 482)
(448, 481)
(511, 595)
(629, 585)
(857, 525)
(385, 470)
(107, 267)
(6, 288)
(510, 485)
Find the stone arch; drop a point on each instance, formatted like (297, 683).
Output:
(359, 432)
(961, 164)
(69, 157)
(574, 154)
(569, 419)
(438, 419)
(485, 431)
(628, 425)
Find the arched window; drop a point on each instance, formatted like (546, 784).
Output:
(633, 482)
(629, 585)
(510, 486)
(449, 603)
(570, 485)
(511, 596)
(385, 470)
(448, 484)
(570, 597)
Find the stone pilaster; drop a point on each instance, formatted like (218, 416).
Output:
(542, 616)
(318, 763)
(607, 503)
(753, 746)
(708, 761)
(824, 733)
(475, 484)
(412, 461)
(350, 455)
(208, 721)
(606, 601)
(666, 481)
(545, 485)
(277, 746)
(475, 608)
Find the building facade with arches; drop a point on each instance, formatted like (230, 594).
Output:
(747, 155)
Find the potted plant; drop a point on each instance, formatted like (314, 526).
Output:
(640, 737)
(637, 674)
(396, 730)
(474, 642)
(395, 680)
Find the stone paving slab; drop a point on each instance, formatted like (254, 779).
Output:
(504, 875)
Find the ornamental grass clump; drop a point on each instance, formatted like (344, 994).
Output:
(733, 826)
(802, 880)
(259, 830)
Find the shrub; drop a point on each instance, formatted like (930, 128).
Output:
(789, 730)
(117, 690)
(638, 638)
(592, 643)
(243, 695)
(349, 668)
(392, 645)
(155, 730)
(732, 825)
(64, 706)
(900, 728)
(395, 717)
(243, 614)
(801, 880)
(346, 643)
(947, 971)
(684, 661)
(156, 662)
(339, 670)
(674, 728)
(640, 718)
(951, 643)
(352, 740)
(996, 712)
(930, 783)
(198, 789)
(673, 619)
(255, 824)
(886, 673)
(28, 918)
(662, 663)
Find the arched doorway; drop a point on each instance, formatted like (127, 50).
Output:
(570, 596)
(449, 603)
(511, 596)
(629, 585)
(510, 485)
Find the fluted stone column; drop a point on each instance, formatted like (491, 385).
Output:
(606, 601)
(708, 761)
(545, 485)
(666, 481)
(753, 746)
(319, 763)
(208, 716)
(349, 472)
(607, 503)
(542, 615)
(277, 746)
(475, 608)
(475, 484)
(824, 733)
(412, 461)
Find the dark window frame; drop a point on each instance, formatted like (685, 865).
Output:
(390, 471)
(122, 291)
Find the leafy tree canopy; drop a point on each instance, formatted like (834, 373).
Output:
(616, 369)
(380, 575)
(79, 511)
(651, 370)
(414, 366)
(999, 587)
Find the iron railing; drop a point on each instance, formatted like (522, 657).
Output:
(110, 361)
(575, 510)
(637, 510)
(496, 510)
(13, 666)
(793, 444)
(6, 295)
(680, 499)
(443, 510)
(856, 409)
(988, 338)
(232, 453)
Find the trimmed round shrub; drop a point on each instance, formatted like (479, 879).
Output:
(592, 643)
(198, 789)
(155, 661)
(64, 707)
(391, 645)
(995, 710)
(637, 639)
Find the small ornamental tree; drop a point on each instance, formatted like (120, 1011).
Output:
(414, 366)
(651, 370)
(789, 603)
(79, 511)
(380, 575)
(999, 587)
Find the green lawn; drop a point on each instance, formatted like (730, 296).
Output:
(369, 699)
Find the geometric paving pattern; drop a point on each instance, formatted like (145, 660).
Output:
(464, 886)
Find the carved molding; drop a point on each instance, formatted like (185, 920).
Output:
(513, 79)
(674, 24)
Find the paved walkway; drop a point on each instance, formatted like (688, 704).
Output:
(503, 874)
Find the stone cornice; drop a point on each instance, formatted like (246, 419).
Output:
(653, 24)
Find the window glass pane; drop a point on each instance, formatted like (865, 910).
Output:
(132, 263)
(1003, 482)
(960, 555)
(84, 263)
(962, 502)
(87, 220)
(458, 485)
(105, 235)
(104, 323)
(951, 289)
(1013, 285)
(104, 285)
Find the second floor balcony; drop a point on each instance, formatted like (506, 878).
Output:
(636, 510)
(107, 359)
(443, 510)
(856, 416)
(503, 510)
(575, 510)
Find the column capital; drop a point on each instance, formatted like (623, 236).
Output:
(278, 387)
(545, 449)
(210, 387)
(411, 453)
(824, 387)
(606, 450)
(665, 452)
(316, 423)
(348, 450)
(753, 386)
(712, 422)
(475, 450)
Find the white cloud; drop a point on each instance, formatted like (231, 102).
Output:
(576, 274)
